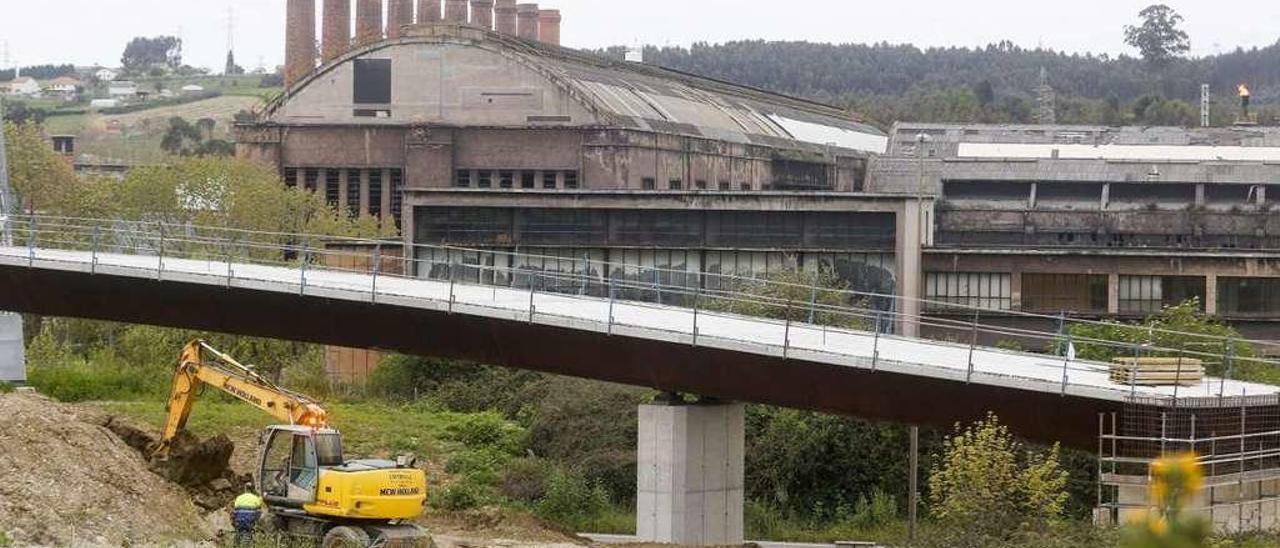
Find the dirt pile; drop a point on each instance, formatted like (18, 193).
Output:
(65, 479)
(201, 466)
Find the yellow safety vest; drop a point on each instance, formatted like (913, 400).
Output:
(248, 501)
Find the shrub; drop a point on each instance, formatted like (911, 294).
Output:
(572, 501)
(487, 430)
(879, 510)
(463, 495)
(525, 480)
(5, 387)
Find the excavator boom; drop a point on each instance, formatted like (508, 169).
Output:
(202, 365)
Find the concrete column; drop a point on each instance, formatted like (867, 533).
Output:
(1106, 196)
(322, 183)
(337, 29)
(909, 257)
(343, 185)
(1015, 290)
(690, 473)
(1113, 293)
(1211, 294)
(1200, 195)
(1031, 199)
(13, 363)
(364, 191)
(386, 195)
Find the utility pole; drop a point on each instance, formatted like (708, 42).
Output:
(913, 479)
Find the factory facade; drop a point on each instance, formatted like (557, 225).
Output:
(468, 125)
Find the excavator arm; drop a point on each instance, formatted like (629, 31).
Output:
(201, 365)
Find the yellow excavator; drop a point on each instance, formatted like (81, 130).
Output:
(310, 489)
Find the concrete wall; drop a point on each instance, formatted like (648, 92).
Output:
(13, 364)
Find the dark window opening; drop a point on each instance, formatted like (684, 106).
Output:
(312, 179)
(549, 179)
(700, 184)
(484, 179)
(506, 179)
(1064, 292)
(397, 196)
(724, 185)
(1248, 295)
(290, 178)
(571, 180)
(745, 187)
(800, 176)
(372, 81)
(375, 193)
(332, 191)
(675, 184)
(648, 183)
(463, 179)
(353, 191)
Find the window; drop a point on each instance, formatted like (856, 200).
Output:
(1064, 292)
(648, 183)
(332, 190)
(724, 186)
(484, 179)
(571, 180)
(549, 180)
(372, 81)
(700, 184)
(528, 179)
(746, 187)
(312, 179)
(675, 184)
(1249, 296)
(946, 290)
(397, 195)
(353, 191)
(375, 193)
(291, 178)
(463, 179)
(1149, 294)
(506, 179)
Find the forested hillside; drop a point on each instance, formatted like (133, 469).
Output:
(891, 82)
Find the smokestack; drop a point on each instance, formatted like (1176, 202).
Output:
(527, 21)
(455, 11)
(368, 21)
(428, 12)
(399, 14)
(506, 17)
(549, 26)
(300, 40)
(482, 14)
(1245, 96)
(337, 29)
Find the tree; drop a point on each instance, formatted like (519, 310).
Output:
(185, 139)
(144, 55)
(41, 179)
(1159, 37)
(986, 489)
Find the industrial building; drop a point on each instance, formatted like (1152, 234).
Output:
(1097, 221)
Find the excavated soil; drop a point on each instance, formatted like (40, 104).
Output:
(66, 479)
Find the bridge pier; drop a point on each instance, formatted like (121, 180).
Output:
(690, 478)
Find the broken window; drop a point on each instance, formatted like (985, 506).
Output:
(571, 180)
(397, 195)
(724, 186)
(354, 180)
(700, 184)
(375, 193)
(1064, 292)
(332, 190)
(648, 183)
(484, 179)
(463, 179)
(793, 175)
(675, 184)
(372, 81)
(1150, 294)
(290, 178)
(548, 179)
(506, 179)
(1248, 295)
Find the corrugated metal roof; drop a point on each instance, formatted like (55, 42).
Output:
(1121, 152)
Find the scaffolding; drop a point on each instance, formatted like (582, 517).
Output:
(1236, 441)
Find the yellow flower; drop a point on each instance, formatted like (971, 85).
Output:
(1158, 526)
(1178, 476)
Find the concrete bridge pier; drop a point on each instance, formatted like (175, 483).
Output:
(690, 478)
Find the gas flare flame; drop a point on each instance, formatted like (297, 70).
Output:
(1244, 90)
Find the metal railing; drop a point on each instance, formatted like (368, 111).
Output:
(795, 308)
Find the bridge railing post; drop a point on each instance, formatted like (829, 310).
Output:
(160, 257)
(612, 298)
(31, 242)
(786, 333)
(697, 294)
(1066, 362)
(973, 343)
(93, 265)
(377, 267)
(302, 267)
(875, 344)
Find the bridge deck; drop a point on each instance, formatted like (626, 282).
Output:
(842, 347)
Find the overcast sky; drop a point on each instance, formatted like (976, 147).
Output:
(95, 31)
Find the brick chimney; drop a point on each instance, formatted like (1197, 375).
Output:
(527, 21)
(399, 14)
(549, 26)
(428, 12)
(455, 11)
(337, 29)
(505, 11)
(482, 13)
(368, 21)
(300, 40)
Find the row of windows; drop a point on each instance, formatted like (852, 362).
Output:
(656, 228)
(356, 190)
(1087, 293)
(513, 178)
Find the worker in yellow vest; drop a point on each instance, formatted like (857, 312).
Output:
(246, 511)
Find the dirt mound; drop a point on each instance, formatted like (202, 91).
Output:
(203, 467)
(68, 480)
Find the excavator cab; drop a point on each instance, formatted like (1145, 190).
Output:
(292, 458)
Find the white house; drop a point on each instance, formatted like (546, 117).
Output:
(65, 87)
(122, 89)
(191, 89)
(106, 75)
(24, 85)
